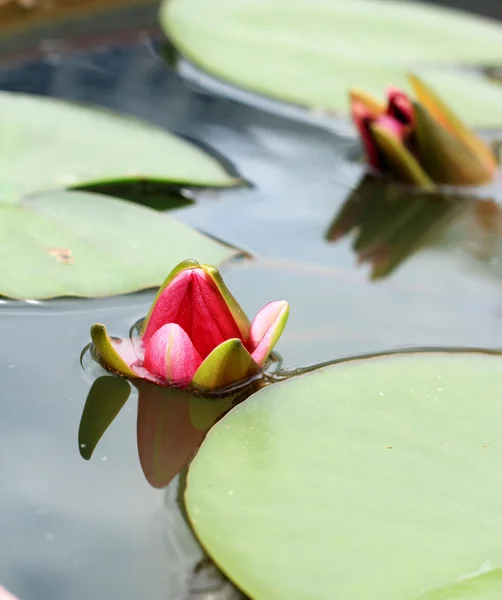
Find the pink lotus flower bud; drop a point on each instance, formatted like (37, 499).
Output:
(5, 595)
(195, 334)
(420, 142)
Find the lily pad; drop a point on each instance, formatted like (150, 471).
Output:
(81, 244)
(47, 144)
(310, 52)
(375, 479)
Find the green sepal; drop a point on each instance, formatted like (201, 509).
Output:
(441, 113)
(228, 363)
(186, 264)
(446, 158)
(400, 160)
(107, 354)
(234, 307)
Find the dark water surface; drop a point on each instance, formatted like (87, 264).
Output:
(81, 530)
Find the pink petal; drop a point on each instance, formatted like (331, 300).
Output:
(193, 301)
(266, 329)
(125, 349)
(363, 118)
(397, 129)
(5, 595)
(400, 106)
(143, 373)
(171, 355)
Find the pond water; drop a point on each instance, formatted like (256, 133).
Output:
(97, 529)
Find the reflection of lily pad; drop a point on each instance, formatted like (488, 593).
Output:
(312, 51)
(47, 144)
(375, 479)
(80, 244)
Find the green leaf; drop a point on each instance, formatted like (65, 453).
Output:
(482, 586)
(105, 400)
(48, 144)
(311, 52)
(375, 479)
(81, 244)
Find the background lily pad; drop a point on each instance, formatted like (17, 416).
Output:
(311, 52)
(47, 144)
(375, 479)
(81, 244)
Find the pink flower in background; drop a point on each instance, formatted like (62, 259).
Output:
(5, 595)
(420, 141)
(195, 334)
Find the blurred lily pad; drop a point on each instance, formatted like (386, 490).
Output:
(375, 479)
(80, 244)
(310, 52)
(48, 144)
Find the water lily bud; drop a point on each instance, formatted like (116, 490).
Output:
(5, 595)
(195, 334)
(420, 142)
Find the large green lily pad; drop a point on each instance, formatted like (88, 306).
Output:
(82, 244)
(311, 52)
(374, 479)
(48, 144)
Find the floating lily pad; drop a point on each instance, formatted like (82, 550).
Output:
(375, 479)
(81, 244)
(47, 144)
(311, 52)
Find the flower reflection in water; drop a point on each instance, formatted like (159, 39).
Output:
(392, 221)
(171, 424)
